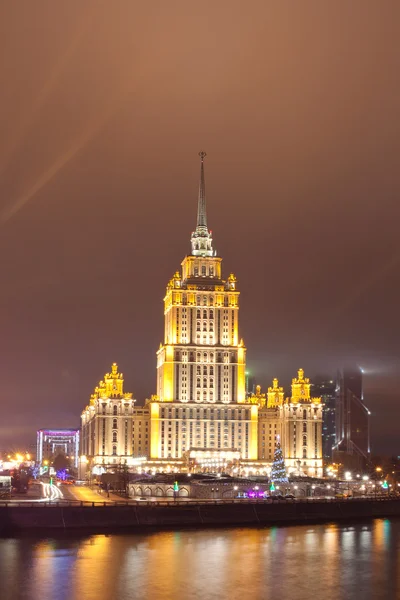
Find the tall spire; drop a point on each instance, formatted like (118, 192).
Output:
(201, 238)
(201, 204)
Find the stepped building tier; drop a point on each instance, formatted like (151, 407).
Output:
(114, 431)
(200, 403)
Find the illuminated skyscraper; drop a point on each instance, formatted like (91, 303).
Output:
(202, 416)
(201, 411)
(250, 384)
(201, 363)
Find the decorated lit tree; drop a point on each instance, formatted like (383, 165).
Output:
(278, 470)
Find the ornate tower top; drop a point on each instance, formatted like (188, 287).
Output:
(275, 395)
(301, 389)
(201, 238)
(112, 386)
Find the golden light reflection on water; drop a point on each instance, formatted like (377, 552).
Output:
(43, 565)
(329, 561)
(95, 558)
(380, 541)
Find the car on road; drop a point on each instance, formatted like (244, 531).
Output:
(148, 499)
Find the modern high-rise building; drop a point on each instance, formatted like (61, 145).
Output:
(352, 420)
(325, 388)
(250, 384)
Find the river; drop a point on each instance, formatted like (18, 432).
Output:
(328, 561)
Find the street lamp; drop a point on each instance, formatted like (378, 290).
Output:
(377, 470)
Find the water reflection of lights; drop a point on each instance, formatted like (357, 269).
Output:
(332, 560)
(382, 533)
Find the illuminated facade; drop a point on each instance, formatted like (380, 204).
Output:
(297, 423)
(302, 428)
(204, 416)
(50, 442)
(200, 402)
(114, 431)
(201, 407)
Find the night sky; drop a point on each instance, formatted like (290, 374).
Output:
(104, 107)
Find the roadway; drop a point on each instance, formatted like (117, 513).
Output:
(64, 492)
(84, 493)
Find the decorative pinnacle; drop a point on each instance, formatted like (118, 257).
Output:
(201, 238)
(201, 207)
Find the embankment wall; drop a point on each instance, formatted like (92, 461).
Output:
(101, 518)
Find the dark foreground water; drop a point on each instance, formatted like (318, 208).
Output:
(310, 562)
